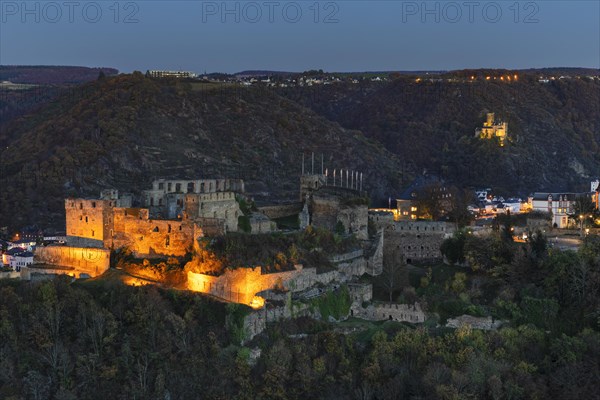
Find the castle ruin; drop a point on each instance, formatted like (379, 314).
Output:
(493, 129)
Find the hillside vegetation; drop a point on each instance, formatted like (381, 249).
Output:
(554, 128)
(124, 131)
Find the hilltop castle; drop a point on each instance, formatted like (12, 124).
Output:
(493, 129)
(176, 213)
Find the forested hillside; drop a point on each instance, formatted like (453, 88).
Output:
(99, 339)
(554, 127)
(51, 75)
(125, 131)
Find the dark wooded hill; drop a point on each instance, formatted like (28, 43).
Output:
(554, 127)
(125, 131)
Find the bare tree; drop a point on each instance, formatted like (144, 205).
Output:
(392, 275)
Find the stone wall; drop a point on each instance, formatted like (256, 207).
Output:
(10, 274)
(218, 205)
(146, 237)
(360, 292)
(241, 285)
(196, 186)
(354, 267)
(281, 210)
(118, 199)
(90, 261)
(260, 223)
(211, 226)
(89, 219)
(99, 223)
(390, 311)
(417, 240)
(75, 241)
(256, 321)
(483, 323)
(351, 255)
(375, 262)
(355, 220)
(310, 184)
(326, 210)
(381, 219)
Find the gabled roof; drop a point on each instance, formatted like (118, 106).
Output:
(419, 183)
(15, 250)
(556, 196)
(23, 241)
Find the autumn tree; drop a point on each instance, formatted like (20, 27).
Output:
(392, 275)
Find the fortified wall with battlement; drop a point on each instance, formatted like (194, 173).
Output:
(241, 285)
(415, 240)
(84, 260)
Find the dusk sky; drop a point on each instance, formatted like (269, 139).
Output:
(296, 36)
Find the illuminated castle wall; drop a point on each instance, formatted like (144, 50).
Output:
(242, 285)
(493, 129)
(135, 230)
(90, 261)
(89, 219)
(98, 223)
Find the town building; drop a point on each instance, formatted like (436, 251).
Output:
(20, 260)
(170, 74)
(559, 205)
(429, 188)
(9, 254)
(31, 234)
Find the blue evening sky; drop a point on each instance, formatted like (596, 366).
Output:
(217, 36)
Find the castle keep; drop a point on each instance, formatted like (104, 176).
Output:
(493, 129)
